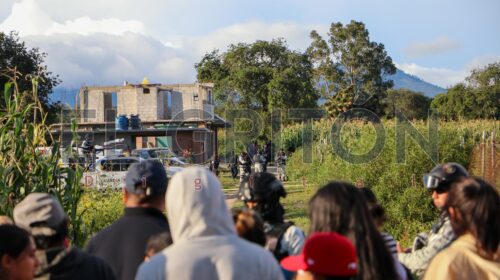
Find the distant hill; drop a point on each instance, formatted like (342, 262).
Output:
(414, 83)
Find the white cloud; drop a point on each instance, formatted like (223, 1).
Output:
(101, 59)
(175, 70)
(442, 77)
(481, 61)
(28, 18)
(85, 26)
(445, 77)
(98, 58)
(297, 36)
(436, 46)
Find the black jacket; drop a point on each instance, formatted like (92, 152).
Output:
(79, 265)
(123, 243)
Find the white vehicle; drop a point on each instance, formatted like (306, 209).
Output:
(109, 172)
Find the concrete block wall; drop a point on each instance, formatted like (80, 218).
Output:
(93, 101)
(160, 105)
(150, 106)
(127, 101)
(147, 106)
(183, 98)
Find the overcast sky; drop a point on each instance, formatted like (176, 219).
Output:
(105, 42)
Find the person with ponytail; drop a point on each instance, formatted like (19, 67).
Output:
(340, 207)
(474, 207)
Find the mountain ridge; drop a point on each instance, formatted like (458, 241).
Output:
(404, 80)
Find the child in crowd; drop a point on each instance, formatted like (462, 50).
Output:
(378, 215)
(157, 243)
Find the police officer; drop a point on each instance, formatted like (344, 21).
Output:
(281, 163)
(262, 192)
(427, 245)
(244, 164)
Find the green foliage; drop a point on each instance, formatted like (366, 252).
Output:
(15, 55)
(98, 210)
(413, 105)
(23, 167)
(478, 99)
(263, 75)
(350, 59)
(397, 185)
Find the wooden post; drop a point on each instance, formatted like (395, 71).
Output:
(483, 154)
(493, 162)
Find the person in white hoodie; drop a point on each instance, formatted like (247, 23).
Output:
(206, 245)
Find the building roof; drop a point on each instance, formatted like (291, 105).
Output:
(135, 132)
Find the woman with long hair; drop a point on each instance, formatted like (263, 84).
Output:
(340, 207)
(474, 209)
(17, 254)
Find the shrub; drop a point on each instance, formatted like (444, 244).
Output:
(98, 210)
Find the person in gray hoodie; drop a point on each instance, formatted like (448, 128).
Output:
(206, 245)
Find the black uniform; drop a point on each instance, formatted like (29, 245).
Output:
(123, 243)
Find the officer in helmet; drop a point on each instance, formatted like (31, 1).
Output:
(262, 193)
(427, 245)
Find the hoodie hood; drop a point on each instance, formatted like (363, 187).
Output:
(196, 206)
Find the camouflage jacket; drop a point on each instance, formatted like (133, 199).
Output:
(427, 245)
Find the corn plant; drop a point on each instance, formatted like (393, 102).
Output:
(25, 167)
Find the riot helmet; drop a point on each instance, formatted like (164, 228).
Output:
(443, 175)
(266, 191)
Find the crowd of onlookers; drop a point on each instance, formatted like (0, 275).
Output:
(200, 238)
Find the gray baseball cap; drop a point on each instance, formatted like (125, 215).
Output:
(147, 177)
(40, 213)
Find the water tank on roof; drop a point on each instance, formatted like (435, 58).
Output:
(121, 122)
(135, 122)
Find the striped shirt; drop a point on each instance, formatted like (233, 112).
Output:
(390, 243)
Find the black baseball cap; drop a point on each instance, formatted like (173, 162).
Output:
(147, 178)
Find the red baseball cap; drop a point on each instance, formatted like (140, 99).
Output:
(325, 253)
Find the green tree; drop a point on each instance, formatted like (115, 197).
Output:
(350, 59)
(414, 105)
(484, 85)
(14, 54)
(263, 75)
(440, 104)
(478, 98)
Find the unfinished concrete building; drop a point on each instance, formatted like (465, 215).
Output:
(178, 116)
